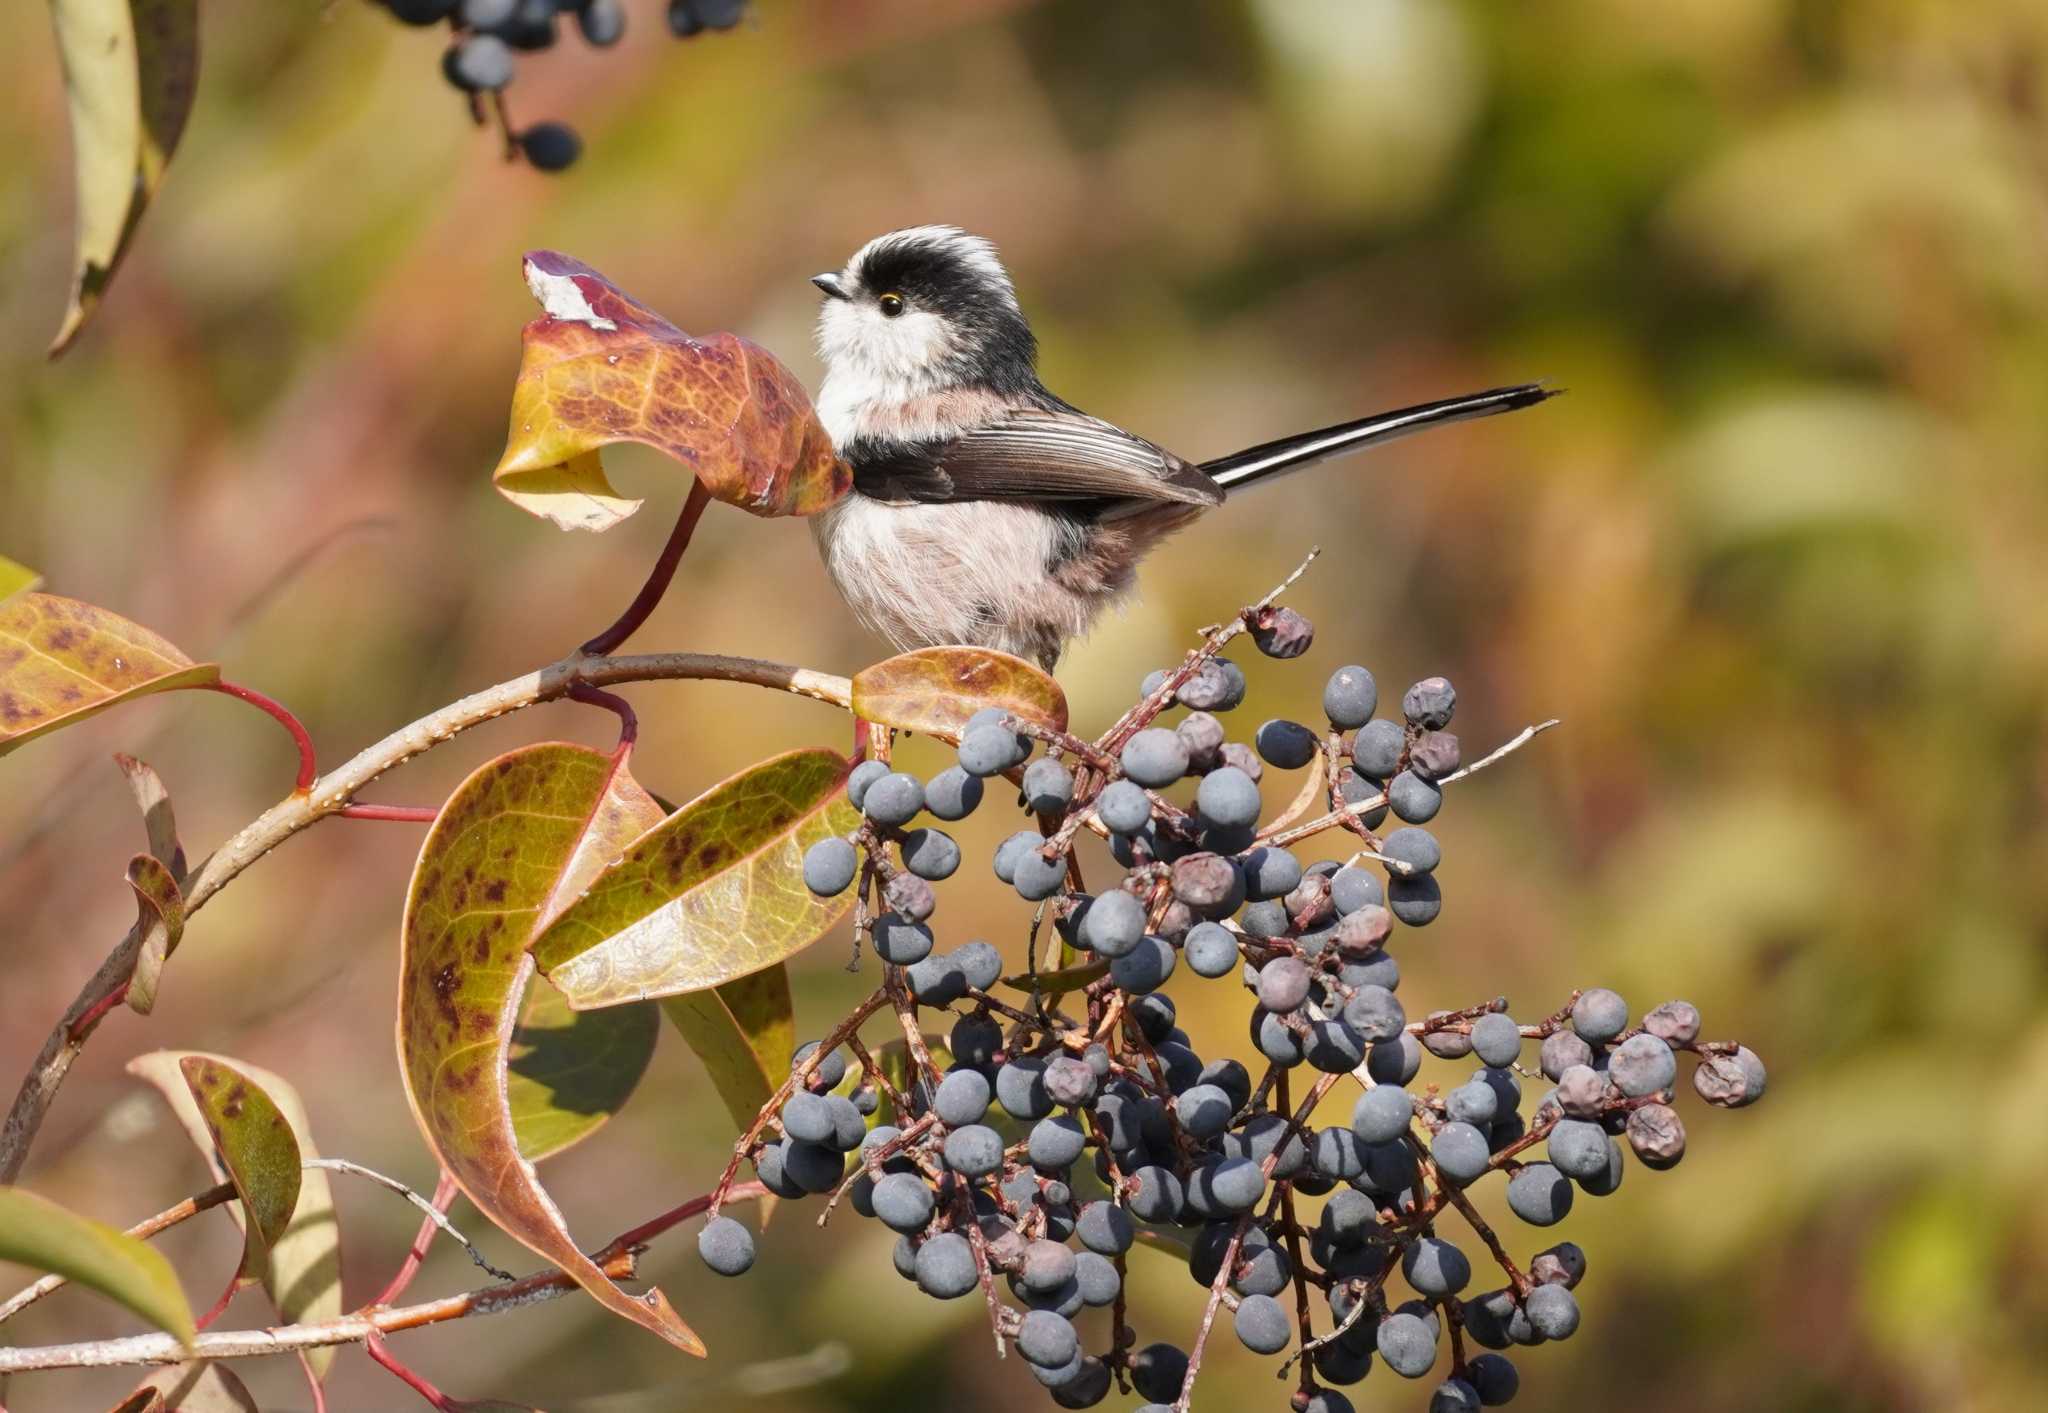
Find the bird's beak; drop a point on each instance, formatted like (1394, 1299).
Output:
(830, 284)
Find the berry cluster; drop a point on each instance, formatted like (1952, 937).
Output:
(1025, 1155)
(479, 60)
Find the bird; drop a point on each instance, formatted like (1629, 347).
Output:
(986, 511)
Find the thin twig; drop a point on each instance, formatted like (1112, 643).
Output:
(445, 1188)
(429, 1208)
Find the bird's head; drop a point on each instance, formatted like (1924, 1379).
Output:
(925, 310)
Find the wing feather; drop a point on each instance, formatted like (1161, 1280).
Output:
(1032, 454)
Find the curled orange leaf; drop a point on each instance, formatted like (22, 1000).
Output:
(599, 367)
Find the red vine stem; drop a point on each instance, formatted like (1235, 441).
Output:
(444, 1197)
(309, 769)
(657, 578)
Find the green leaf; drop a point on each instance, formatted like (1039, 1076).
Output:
(62, 660)
(934, 690)
(198, 1386)
(130, 67)
(160, 914)
(744, 1032)
(713, 892)
(37, 1233)
(522, 834)
(254, 1141)
(568, 1071)
(16, 578)
(303, 1274)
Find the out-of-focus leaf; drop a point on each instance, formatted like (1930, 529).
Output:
(744, 1032)
(1058, 983)
(159, 821)
(600, 368)
(714, 892)
(568, 1071)
(16, 578)
(257, 1145)
(130, 68)
(525, 831)
(37, 1233)
(199, 1386)
(303, 1275)
(62, 660)
(934, 690)
(160, 913)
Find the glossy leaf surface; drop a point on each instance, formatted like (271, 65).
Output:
(714, 892)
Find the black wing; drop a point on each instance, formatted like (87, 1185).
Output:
(1031, 454)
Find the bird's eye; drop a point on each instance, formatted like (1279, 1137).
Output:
(892, 304)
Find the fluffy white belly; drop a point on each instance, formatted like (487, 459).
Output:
(969, 572)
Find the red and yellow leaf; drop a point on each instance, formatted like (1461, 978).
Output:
(599, 367)
(933, 691)
(517, 838)
(62, 660)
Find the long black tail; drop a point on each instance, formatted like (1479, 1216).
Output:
(1261, 463)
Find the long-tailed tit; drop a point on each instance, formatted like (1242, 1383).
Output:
(985, 510)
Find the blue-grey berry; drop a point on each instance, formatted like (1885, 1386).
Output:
(930, 854)
(901, 942)
(944, 1266)
(1553, 1311)
(1285, 745)
(1382, 1114)
(1415, 901)
(829, 867)
(1376, 750)
(1123, 806)
(1349, 697)
(961, 1098)
(1461, 1152)
(1227, 797)
(1539, 1194)
(952, 793)
(1155, 758)
(1113, 924)
(1414, 799)
(974, 1151)
(1262, 1325)
(1048, 786)
(862, 776)
(726, 1246)
(1210, 949)
(1496, 1039)
(1414, 847)
(895, 799)
(1145, 967)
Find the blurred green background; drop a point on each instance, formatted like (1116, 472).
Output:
(1777, 560)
